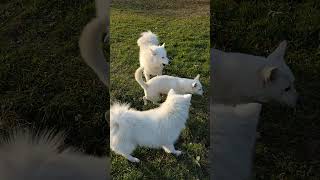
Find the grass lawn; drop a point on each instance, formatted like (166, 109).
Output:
(44, 83)
(185, 30)
(289, 146)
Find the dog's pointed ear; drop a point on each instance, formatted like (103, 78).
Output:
(197, 77)
(269, 74)
(153, 52)
(163, 44)
(171, 92)
(194, 84)
(279, 53)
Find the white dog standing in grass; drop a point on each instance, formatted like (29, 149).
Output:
(152, 56)
(155, 128)
(162, 84)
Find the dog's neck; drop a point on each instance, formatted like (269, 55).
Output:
(172, 107)
(185, 85)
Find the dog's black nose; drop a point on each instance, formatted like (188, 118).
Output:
(163, 64)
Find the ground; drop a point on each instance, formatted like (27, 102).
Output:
(289, 144)
(44, 83)
(184, 27)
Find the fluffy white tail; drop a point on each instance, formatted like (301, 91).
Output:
(90, 41)
(117, 110)
(138, 77)
(148, 38)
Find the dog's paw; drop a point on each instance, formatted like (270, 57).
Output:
(177, 153)
(134, 160)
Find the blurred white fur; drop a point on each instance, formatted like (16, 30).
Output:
(29, 156)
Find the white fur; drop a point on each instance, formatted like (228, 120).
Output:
(90, 41)
(162, 84)
(27, 155)
(152, 56)
(242, 78)
(155, 128)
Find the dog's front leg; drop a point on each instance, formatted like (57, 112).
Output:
(171, 149)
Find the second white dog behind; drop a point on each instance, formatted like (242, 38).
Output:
(152, 56)
(162, 84)
(155, 128)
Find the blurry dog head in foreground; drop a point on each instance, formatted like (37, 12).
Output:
(242, 78)
(28, 156)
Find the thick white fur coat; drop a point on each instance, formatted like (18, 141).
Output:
(153, 128)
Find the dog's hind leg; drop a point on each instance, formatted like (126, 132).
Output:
(155, 103)
(171, 149)
(131, 158)
(147, 76)
(145, 101)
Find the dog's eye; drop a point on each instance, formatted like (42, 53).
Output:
(287, 89)
(162, 57)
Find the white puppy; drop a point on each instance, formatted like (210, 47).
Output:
(242, 78)
(152, 56)
(155, 128)
(162, 84)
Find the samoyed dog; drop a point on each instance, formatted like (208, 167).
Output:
(152, 56)
(162, 84)
(155, 128)
(242, 78)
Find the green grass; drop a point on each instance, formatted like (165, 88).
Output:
(44, 83)
(187, 41)
(290, 144)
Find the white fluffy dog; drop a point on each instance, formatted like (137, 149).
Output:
(243, 78)
(155, 128)
(152, 56)
(162, 84)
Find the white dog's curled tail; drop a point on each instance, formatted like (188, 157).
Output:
(138, 77)
(90, 41)
(148, 38)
